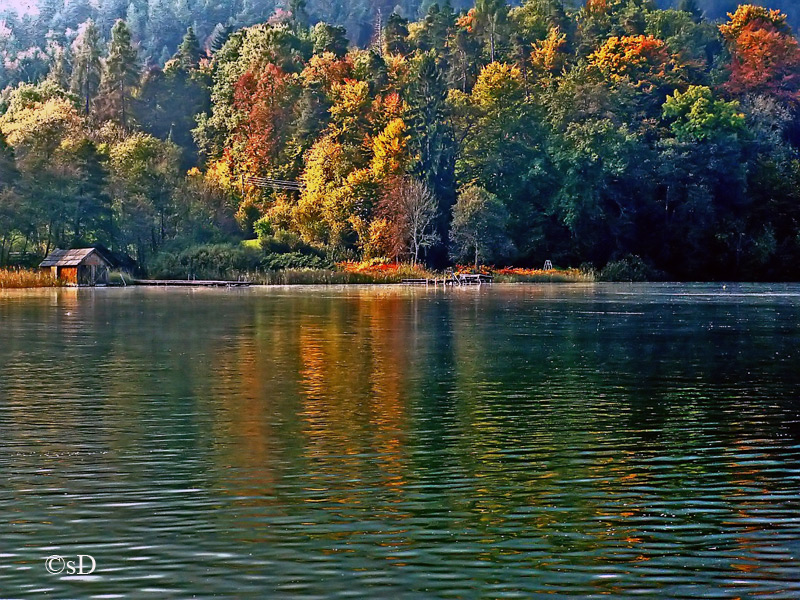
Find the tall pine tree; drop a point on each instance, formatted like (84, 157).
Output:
(121, 74)
(188, 54)
(87, 68)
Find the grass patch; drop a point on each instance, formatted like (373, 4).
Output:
(344, 273)
(516, 275)
(26, 278)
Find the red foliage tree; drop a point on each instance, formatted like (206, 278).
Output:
(264, 101)
(765, 56)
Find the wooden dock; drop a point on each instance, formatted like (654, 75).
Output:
(190, 283)
(452, 279)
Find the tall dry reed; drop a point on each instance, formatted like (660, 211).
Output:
(24, 278)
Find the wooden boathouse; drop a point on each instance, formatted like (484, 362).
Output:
(83, 266)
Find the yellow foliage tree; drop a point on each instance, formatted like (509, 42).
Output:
(390, 150)
(351, 103)
(498, 85)
(36, 132)
(549, 55)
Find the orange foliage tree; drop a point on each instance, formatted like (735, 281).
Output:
(765, 56)
(549, 55)
(642, 58)
(326, 70)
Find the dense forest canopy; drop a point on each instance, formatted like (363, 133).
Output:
(610, 131)
(30, 29)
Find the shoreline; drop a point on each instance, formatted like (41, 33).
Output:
(32, 279)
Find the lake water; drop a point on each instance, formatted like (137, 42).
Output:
(532, 441)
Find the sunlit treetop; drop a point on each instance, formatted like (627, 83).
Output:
(640, 58)
(498, 85)
(765, 56)
(597, 8)
(749, 16)
(696, 115)
(390, 156)
(467, 21)
(326, 70)
(549, 55)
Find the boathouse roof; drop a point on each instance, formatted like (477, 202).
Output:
(71, 258)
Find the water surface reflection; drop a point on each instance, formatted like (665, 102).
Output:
(520, 441)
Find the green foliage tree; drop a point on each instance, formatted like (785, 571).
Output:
(433, 31)
(144, 175)
(299, 10)
(8, 169)
(396, 35)
(691, 7)
(490, 20)
(696, 116)
(604, 176)
(480, 227)
(188, 55)
(327, 38)
(10, 210)
(218, 37)
(432, 140)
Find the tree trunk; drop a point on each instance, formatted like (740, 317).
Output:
(122, 100)
(86, 107)
(49, 238)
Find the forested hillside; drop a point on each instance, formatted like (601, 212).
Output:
(612, 132)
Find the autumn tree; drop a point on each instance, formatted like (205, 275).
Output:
(644, 60)
(409, 207)
(325, 209)
(765, 57)
(548, 56)
(264, 99)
